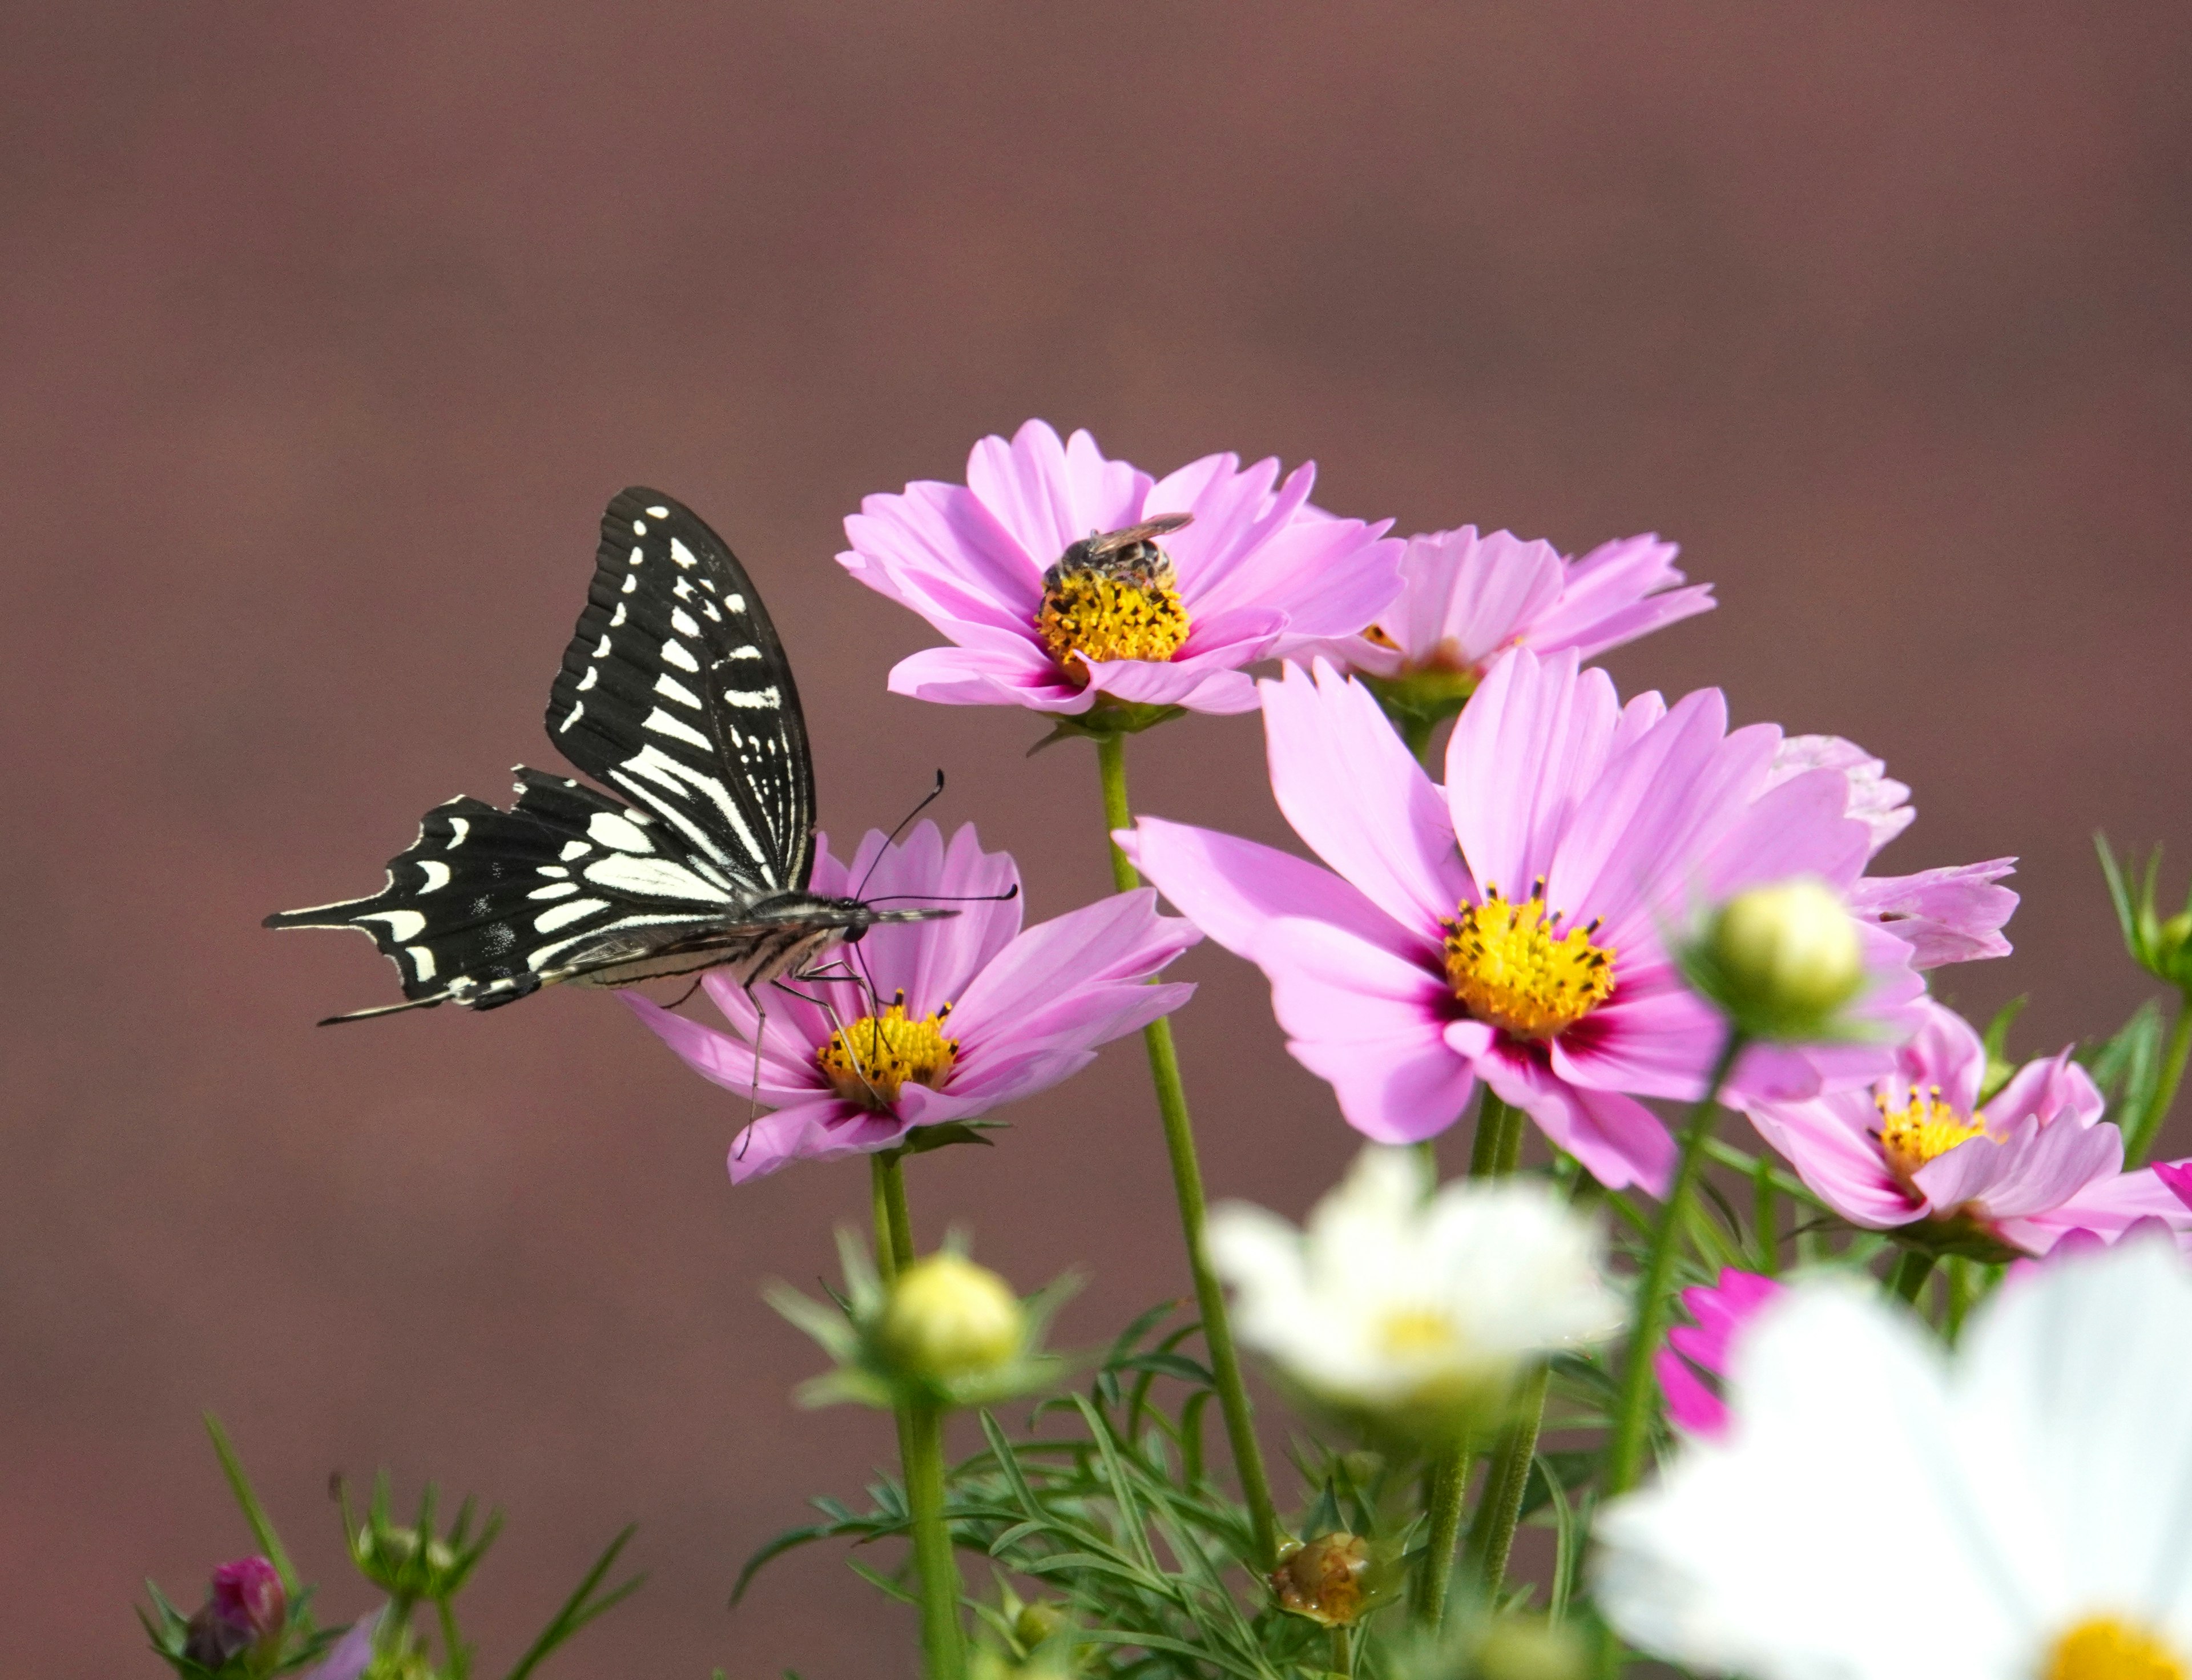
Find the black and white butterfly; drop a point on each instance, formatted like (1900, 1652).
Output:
(675, 691)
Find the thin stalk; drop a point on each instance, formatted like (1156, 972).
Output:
(933, 1562)
(1187, 1184)
(1499, 1508)
(920, 1446)
(2164, 1089)
(1647, 1321)
(1498, 1148)
(1908, 1278)
(1449, 1491)
(1959, 1297)
(1343, 1651)
(1624, 1455)
(1765, 1217)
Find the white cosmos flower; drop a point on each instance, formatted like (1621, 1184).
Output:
(1417, 1312)
(2021, 1510)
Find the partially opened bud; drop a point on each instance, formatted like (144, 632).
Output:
(1325, 1580)
(1781, 959)
(246, 1609)
(949, 1318)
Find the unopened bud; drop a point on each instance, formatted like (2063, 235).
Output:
(247, 1608)
(1323, 1581)
(1036, 1622)
(949, 1318)
(1521, 1650)
(1787, 953)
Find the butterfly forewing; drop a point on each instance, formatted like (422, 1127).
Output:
(675, 691)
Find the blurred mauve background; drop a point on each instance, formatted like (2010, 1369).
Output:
(328, 330)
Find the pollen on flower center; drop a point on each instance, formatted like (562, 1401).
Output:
(1416, 1330)
(2102, 1648)
(1922, 1129)
(869, 1061)
(1113, 596)
(1510, 967)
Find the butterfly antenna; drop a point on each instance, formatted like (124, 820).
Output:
(1005, 897)
(933, 794)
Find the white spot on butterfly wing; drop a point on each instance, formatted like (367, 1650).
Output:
(683, 622)
(554, 889)
(754, 699)
(602, 650)
(553, 869)
(403, 925)
(683, 555)
(630, 582)
(638, 554)
(736, 603)
(748, 652)
(593, 676)
(654, 877)
(677, 653)
(658, 513)
(422, 961)
(563, 914)
(458, 828)
(437, 874)
(617, 617)
(607, 828)
(577, 711)
(639, 528)
(670, 688)
(664, 724)
(574, 848)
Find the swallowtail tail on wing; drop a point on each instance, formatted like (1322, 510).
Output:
(675, 693)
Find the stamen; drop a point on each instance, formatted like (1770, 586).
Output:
(1922, 1129)
(869, 1060)
(2102, 1648)
(1113, 597)
(1510, 968)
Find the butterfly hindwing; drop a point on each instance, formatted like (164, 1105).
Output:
(487, 905)
(675, 691)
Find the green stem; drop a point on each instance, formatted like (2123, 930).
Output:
(1499, 1509)
(1624, 1455)
(933, 1562)
(1449, 1490)
(1765, 1217)
(1343, 1651)
(1959, 1297)
(1497, 1150)
(2165, 1090)
(1910, 1274)
(920, 1445)
(1187, 1183)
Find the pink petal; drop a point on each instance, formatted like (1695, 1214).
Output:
(1947, 915)
(971, 677)
(2033, 1169)
(1045, 968)
(730, 1062)
(827, 1130)
(1492, 591)
(1351, 790)
(1616, 1137)
(1233, 889)
(1824, 1141)
(1533, 739)
(1046, 504)
(1692, 1407)
(1160, 683)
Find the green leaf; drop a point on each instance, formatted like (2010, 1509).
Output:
(262, 1525)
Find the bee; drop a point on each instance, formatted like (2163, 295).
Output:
(1129, 556)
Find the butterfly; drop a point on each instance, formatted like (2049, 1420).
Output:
(676, 692)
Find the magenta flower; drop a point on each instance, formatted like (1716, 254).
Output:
(1512, 925)
(1918, 1146)
(1952, 915)
(247, 1607)
(1720, 1310)
(2102, 1214)
(1042, 617)
(1465, 599)
(966, 1012)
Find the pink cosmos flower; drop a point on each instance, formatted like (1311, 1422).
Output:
(1512, 925)
(966, 1012)
(1953, 915)
(1720, 1310)
(2035, 1162)
(1464, 599)
(1041, 617)
(2104, 1212)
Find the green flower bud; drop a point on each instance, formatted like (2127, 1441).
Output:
(1781, 959)
(949, 1318)
(1036, 1622)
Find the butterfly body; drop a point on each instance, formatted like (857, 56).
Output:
(676, 692)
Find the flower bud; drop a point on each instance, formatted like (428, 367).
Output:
(949, 1318)
(1785, 956)
(1038, 1622)
(1523, 1649)
(1324, 1580)
(248, 1608)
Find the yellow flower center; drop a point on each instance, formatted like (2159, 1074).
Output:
(2103, 1648)
(868, 1061)
(1416, 1330)
(1510, 968)
(1923, 1130)
(1113, 597)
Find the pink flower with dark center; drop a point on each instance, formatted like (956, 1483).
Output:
(925, 1022)
(1952, 915)
(1512, 926)
(2035, 1161)
(248, 1607)
(1720, 1310)
(1465, 599)
(1062, 577)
